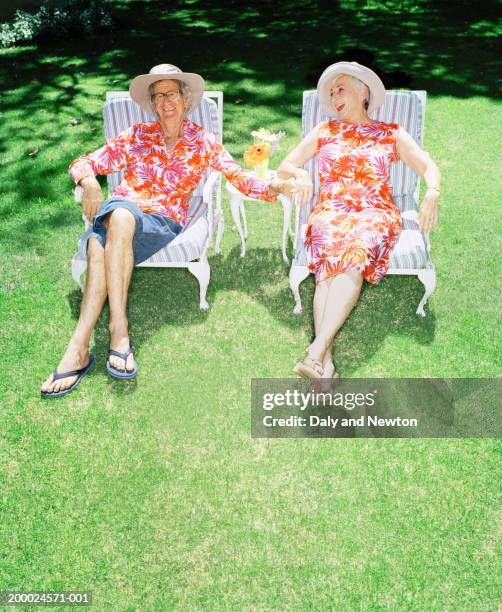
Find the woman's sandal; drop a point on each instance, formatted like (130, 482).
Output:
(309, 368)
(334, 376)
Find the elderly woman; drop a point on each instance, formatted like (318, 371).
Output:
(355, 222)
(163, 162)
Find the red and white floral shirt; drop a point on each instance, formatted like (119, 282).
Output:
(160, 179)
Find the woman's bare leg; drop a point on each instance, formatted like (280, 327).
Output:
(320, 298)
(342, 296)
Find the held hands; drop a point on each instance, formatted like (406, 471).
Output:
(298, 189)
(92, 198)
(428, 214)
(286, 187)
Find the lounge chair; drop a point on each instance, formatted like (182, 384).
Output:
(411, 255)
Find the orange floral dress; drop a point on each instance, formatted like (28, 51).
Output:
(355, 222)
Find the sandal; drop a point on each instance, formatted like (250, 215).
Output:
(309, 368)
(80, 373)
(121, 374)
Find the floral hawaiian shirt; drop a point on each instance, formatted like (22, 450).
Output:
(161, 179)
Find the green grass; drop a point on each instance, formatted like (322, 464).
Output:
(152, 494)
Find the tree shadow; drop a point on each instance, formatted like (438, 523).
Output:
(386, 309)
(243, 49)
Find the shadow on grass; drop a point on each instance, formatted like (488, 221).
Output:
(169, 297)
(158, 297)
(244, 49)
(385, 309)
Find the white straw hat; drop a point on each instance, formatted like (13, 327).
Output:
(367, 76)
(138, 89)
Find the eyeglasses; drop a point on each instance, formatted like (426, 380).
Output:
(170, 96)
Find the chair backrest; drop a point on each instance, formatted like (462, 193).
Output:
(404, 107)
(120, 112)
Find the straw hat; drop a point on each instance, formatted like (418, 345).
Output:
(367, 76)
(138, 89)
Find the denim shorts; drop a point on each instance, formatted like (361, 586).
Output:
(153, 231)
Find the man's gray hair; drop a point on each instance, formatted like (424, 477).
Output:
(184, 90)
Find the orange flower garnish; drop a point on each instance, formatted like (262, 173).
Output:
(256, 154)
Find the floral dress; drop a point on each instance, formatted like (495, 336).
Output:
(355, 222)
(161, 179)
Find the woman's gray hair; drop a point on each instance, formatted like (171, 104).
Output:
(184, 90)
(359, 84)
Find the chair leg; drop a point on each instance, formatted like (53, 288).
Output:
(202, 272)
(286, 225)
(244, 220)
(220, 226)
(78, 267)
(297, 274)
(428, 279)
(235, 208)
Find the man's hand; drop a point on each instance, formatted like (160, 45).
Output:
(428, 215)
(92, 198)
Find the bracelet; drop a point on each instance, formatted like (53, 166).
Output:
(435, 189)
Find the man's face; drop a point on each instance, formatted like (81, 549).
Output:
(168, 101)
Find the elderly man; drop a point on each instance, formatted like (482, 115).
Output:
(163, 163)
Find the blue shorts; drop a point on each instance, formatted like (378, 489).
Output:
(153, 231)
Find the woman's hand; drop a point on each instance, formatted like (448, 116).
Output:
(303, 187)
(92, 198)
(428, 214)
(421, 163)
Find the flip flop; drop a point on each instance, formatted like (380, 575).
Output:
(59, 375)
(121, 374)
(309, 368)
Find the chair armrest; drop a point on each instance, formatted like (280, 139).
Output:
(209, 187)
(207, 193)
(77, 196)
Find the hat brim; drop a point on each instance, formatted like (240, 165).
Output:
(366, 75)
(138, 89)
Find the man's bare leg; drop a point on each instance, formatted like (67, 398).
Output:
(343, 294)
(77, 352)
(119, 263)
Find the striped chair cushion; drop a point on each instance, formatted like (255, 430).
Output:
(120, 112)
(403, 107)
(410, 252)
(187, 246)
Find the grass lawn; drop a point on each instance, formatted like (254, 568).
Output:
(152, 494)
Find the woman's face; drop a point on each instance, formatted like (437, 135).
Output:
(346, 97)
